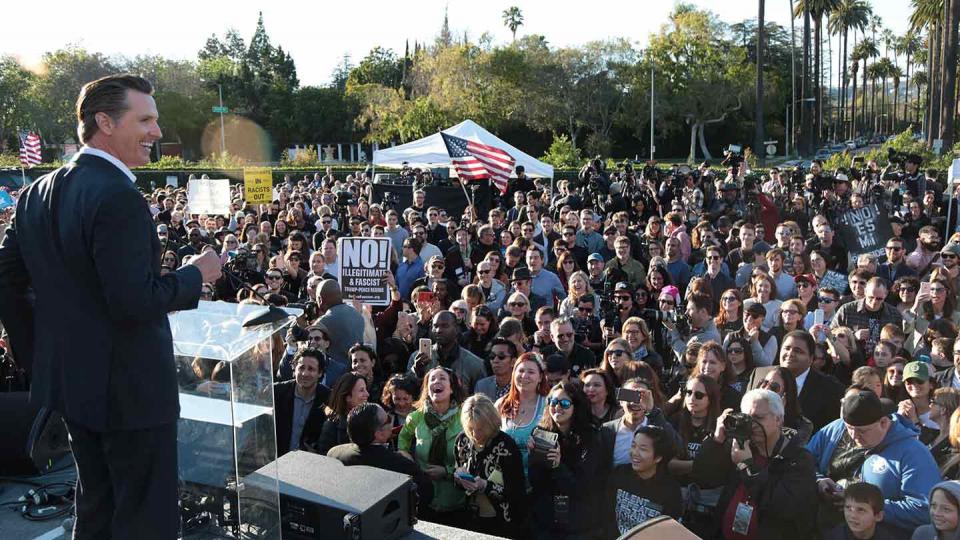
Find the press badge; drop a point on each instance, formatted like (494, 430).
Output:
(741, 520)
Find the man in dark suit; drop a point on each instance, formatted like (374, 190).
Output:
(299, 402)
(82, 256)
(370, 429)
(820, 394)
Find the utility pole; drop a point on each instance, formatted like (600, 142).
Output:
(652, 146)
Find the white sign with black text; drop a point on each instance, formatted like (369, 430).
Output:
(363, 263)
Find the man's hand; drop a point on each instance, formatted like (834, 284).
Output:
(740, 452)
(208, 264)
(862, 334)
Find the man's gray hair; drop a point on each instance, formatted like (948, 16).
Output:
(774, 403)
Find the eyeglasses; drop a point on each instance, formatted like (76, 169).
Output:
(494, 356)
(585, 309)
(438, 267)
(274, 277)
(772, 386)
(695, 393)
(803, 285)
(790, 311)
(319, 338)
(908, 289)
(735, 350)
(728, 299)
(563, 403)
(825, 300)
(947, 256)
(937, 290)
(617, 352)
(621, 298)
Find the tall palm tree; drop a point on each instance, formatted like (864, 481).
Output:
(513, 19)
(928, 14)
(854, 66)
(921, 81)
(896, 73)
(876, 23)
(948, 95)
(817, 9)
(848, 15)
(758, 135)
(865, 50)
(884, 69)
(909, 46)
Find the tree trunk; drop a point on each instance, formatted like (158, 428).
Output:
(933, 90)
(818, 89)
(692, 156)
(703, 142)
(896, 103)
(949, 102)
(853, 102)
(906, 93)
(843, 101)
(863, 99)
(758, 134)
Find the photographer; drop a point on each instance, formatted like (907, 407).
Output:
(768, 476)
(696, 327)
(910, 176)
(243, 266)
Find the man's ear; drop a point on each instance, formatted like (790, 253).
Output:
(880, 515)
(104, 123)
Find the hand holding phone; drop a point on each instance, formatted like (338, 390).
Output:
(425, 345)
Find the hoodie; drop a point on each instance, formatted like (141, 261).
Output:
(901, 466)
(928, 532)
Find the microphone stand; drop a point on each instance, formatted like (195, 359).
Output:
(268, 315)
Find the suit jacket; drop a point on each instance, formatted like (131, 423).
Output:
(84, 243)
(283, 395)
(381, 457)
(819, 399)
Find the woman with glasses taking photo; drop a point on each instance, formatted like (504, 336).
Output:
(567, 477)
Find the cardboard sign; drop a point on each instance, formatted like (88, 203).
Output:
(210, 197)
(834, 280)
(864, 230)
(363, 262)
(257, 185)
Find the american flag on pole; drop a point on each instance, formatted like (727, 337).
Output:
(29, 149)
(476, 161)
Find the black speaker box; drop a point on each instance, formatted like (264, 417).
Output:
(322, 498)
(33, 440)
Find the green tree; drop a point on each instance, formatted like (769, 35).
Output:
(380, 66)
(513, 19)
(848, 15)
(65, 71)
(19, 106)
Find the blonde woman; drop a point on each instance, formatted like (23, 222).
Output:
(578, 286)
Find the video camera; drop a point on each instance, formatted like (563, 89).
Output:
(679, 320)
(738, 426)
(733, 157)
(241, 261)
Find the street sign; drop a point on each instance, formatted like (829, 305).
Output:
(771, 149)
(223, 110)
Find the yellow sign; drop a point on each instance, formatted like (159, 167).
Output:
(257, 185)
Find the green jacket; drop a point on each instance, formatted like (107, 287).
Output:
(415, 437)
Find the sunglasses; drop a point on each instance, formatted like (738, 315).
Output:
(825, 300)
(517, 304)
(617, 352)
(494, 356)
(563, 403)
(729, 299)
(483, 272)
(621, 298)
(772, 386)
(713, 257)
(585, 309)
(947, 256)
(894, 248)
(274, 277)
(803, 285)
(695, 393)
(735, 350)
(319, 338)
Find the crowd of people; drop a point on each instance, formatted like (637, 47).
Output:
(627, 345)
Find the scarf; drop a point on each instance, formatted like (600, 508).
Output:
(438, 425)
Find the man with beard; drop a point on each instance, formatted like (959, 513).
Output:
(926, 252)
(948, 261)
(714, 275)
(896, 266)
(827, 243)
(447, 352)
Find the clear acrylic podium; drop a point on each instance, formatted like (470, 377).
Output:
(227, 429)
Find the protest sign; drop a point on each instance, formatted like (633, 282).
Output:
(363, 262)
(211, 197)
(257, 185)
(834, 280)
(172, 181)
(864, 230)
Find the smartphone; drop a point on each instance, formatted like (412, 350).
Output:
(424, 297)
(818, 316)
(858, 159)
(925, 287)
(630, 395)
(465, 476)
(425, 344)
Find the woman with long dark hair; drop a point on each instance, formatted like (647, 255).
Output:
(740, 357)
(713, 362)
(483, 328)
(695, 420)
(601, 394)
(349, 391)
(730, 314)
(566, 478)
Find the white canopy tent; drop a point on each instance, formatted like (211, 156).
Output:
(431, 152)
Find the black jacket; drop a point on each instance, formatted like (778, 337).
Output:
(819, 399)
(581, 479)
(382, 457)
(608, 434)
(333, 433)
(84, 240)
(784, 492)
(283, 395)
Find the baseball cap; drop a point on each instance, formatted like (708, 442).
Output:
(951, 248)
(861, 409)
(916, 370)
(623, 287)
(595, 257)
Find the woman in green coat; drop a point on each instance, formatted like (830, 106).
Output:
(429, 437)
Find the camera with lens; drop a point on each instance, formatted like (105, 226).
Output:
(896, 157)
(241, 261)
(738, 426)
(344, 199)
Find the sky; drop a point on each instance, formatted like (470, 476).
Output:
(318, 34)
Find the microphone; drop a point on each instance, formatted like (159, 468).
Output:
(268, 315)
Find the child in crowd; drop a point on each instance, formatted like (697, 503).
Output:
(862, 512)
(944, 512)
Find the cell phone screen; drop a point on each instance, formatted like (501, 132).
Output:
(629, 395)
